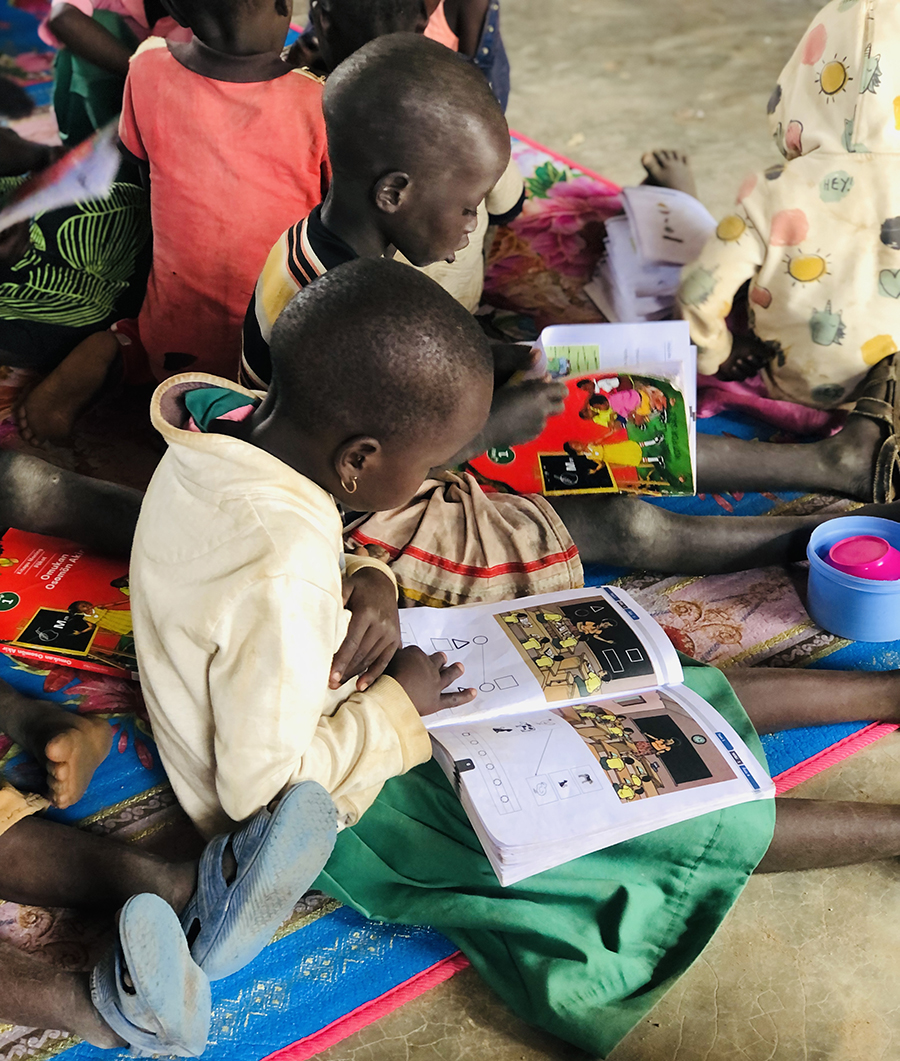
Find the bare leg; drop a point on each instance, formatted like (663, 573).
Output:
(783, 699)
(842, 464)
(70, 746)
(49, 411)
(43, 863)
(812, 833)
(628, 532)
(36, 496)
(35, 995)
(816, 834)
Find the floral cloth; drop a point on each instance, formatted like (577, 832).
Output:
(541, 261)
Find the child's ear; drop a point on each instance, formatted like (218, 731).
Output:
(392, 191)
(283, 8)
(356, 459)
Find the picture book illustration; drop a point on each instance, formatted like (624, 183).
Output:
(59, 604)
(575, 649)
(618, 433)
(647, 746)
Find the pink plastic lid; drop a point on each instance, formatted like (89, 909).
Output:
(866, 556)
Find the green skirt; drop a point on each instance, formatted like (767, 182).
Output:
(583, 950)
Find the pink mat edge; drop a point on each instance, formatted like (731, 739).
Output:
(372, 1010)
(562, 158)
(815, 764)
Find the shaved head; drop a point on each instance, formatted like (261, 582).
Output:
(375, 347)
(404, 102)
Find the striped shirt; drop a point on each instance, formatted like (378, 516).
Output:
(305, 251)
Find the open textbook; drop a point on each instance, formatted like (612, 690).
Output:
(638, 276)
(582, 734)
(629, 422)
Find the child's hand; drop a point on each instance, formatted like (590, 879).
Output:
(510, 359)
(519, 412)
(373, 635)
(424, 679)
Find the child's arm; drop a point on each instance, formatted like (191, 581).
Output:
(274, 719)
(373, 636)
(732, 256)
(466, 19)
(519, 413)
(89, 40)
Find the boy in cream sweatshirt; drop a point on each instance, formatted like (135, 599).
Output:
(237, 564)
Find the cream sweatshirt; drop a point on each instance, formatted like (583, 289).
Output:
(237, 604)
(819, 236)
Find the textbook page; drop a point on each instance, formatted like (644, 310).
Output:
(667, 225)
(547, 787)
(575, 349)
(545, 651)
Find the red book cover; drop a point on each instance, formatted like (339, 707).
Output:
(60, 604)
(618, 433)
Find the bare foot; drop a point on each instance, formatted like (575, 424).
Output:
(49, 411)
(72, 755)
(669, 169)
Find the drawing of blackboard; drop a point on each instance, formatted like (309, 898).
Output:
(58, 631)
(562, 472)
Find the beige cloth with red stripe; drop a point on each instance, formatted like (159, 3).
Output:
(455, 544)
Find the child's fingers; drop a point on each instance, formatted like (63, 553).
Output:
(356, 631)
(451, 674)
(376, 668)
(456, 698)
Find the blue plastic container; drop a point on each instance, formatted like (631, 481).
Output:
(860, 609)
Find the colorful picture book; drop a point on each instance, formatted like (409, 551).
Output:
(582, 734)
(62, 605)
(629, 423)
(86, 172)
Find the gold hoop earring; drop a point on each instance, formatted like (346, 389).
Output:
(351, 489)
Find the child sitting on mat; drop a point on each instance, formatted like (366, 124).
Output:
(818, 237)
(181, 924)
(96, 39)
(238, 607)
(237, 604)
(253, 131)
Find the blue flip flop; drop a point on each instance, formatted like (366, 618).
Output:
(166, 1007)
(279, 854)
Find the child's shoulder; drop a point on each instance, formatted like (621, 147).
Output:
(147, 48)
(300, 82)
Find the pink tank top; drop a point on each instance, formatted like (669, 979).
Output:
(438, 29)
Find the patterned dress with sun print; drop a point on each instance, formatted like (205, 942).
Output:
(817, 236)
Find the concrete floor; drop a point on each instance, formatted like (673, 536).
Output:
(806, 966)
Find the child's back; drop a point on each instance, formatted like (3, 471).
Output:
(236, 150)
(820, 235)
(237, 562)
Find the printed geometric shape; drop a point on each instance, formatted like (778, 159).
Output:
(508, 681)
